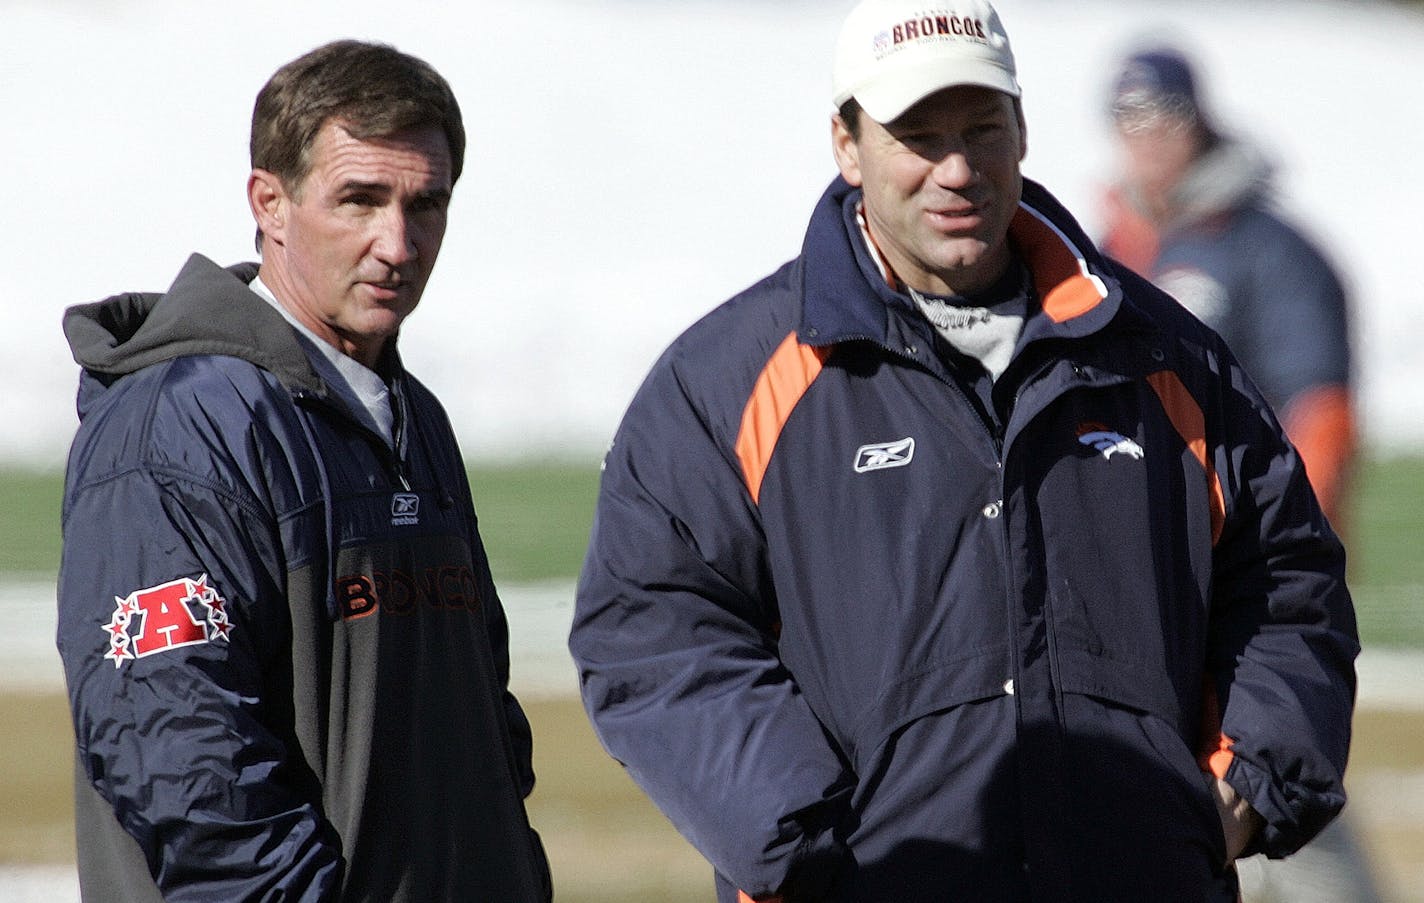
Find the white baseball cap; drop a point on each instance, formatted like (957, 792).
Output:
(893, 53)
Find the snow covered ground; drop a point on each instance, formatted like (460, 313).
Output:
(631, 164)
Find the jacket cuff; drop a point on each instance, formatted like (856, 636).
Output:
(817, 871)
(1292, 817)
(816, 868)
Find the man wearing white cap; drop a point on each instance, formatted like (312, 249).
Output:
(951, 561)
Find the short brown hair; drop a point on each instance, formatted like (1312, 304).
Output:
(374, 90)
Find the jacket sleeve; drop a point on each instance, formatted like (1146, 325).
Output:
(1302, 330)
(1283, 637)
(171, 617)
(674, 638)
(1321, 424)
(1300, 324)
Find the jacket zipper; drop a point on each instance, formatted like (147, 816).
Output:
(395, 465)
(398, 437)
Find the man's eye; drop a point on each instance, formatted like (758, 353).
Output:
(919, 139)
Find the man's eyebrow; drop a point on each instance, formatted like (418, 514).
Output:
(355, 185)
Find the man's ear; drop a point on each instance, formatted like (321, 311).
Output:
(269, 201)
(846, 151)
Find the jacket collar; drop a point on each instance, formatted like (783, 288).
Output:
(845, 297)
(209, 310)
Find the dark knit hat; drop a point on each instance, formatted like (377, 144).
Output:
(1153, 83)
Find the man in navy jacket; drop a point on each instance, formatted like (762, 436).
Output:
(286, 658)
(952, 562)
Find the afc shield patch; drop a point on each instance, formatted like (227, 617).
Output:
(182, 612)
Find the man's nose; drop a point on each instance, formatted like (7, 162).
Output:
(953, 170)
(395, 240)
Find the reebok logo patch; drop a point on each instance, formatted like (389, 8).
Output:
(405, 509)
(183, 612)
(881, 455)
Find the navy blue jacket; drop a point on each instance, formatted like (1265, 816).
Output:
(860, 644)
(285, 655)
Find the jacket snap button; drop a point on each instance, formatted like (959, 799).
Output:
(991, 510)
(1009, 686)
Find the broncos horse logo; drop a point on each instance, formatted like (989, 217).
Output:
(1109, 442)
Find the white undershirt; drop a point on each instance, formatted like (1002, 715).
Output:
(987, 334)
(360, 387)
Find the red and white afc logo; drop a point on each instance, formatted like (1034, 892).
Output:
(166, 617)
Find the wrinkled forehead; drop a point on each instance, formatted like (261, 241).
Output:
(422, 151)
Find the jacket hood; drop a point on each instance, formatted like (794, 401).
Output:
(208, 310)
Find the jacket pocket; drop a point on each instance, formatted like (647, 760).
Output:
(1132, 784)
(934, 687)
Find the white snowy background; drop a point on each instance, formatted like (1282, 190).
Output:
(631, 164)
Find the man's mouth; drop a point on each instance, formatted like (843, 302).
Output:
(957, 217)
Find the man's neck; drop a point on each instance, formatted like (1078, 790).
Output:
(288, 297)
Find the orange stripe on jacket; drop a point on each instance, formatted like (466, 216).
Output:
(787, 375)
(1214, 754)
(1187, 417)
(1060, 274)
(1321, 424)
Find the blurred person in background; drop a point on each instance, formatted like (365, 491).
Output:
(1192, 209)
(286, 659)
(953, 561)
